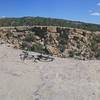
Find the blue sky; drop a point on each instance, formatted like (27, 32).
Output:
(81, 10)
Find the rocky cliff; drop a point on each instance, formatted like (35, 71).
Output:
(62, 42)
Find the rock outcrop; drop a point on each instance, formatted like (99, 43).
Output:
(78, 43)
(64, 42)
(81, 44)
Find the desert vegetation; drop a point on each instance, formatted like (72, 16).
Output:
(58, 41)
(42, 21)
(58, 37)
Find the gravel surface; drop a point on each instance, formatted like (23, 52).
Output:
(61, 79)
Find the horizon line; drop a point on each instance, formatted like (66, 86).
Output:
(4, 17)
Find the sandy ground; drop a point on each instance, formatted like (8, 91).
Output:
(62, 79)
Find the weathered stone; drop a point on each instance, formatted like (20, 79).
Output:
(68, 42)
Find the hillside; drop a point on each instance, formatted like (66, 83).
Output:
(60, 42)
(42, 21)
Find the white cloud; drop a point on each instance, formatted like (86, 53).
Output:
(3, 16)
(90, 11)
(98, 4)
(95, 14)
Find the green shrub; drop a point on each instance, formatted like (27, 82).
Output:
(37, 47)
(30, 37)
(71, 54)
(93, 43)
(98, 39)
(63, 41)
(98, 54)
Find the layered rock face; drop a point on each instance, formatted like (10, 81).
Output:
(64, 42)
(81, 44)
(76, 43)
(52, 43)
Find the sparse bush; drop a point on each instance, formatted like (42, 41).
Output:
(98, 54)
(30, 37)
(71, 53)
(98, 38)
(37, 47)
(63, 40)
(93, 43)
